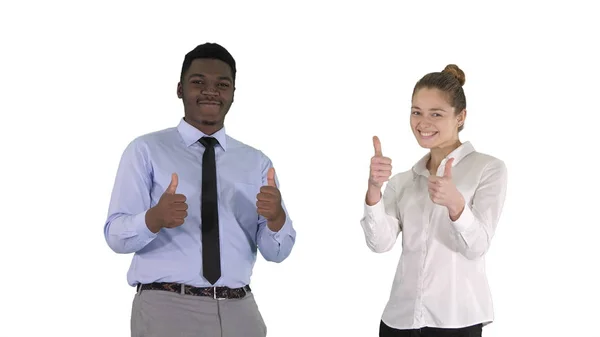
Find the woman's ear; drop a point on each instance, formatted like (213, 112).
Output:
(461, 117)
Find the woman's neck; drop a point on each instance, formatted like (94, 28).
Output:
(436, 155)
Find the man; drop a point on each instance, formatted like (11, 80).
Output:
(194, 206)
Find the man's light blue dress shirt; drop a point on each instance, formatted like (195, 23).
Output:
(175, 254)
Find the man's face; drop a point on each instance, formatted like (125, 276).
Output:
(207, 93)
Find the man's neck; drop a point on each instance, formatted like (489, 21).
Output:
(207, 129)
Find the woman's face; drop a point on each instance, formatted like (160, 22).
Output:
(432, 120)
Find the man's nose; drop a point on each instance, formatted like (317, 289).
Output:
(210, 92)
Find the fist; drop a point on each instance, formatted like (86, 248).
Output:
(442, 190)
(171, 209)
(381, 167)
(268, 200)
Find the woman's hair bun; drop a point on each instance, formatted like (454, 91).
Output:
(455, 71)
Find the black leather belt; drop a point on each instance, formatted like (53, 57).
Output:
(214, 292)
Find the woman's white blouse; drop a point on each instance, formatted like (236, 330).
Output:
(440, 280)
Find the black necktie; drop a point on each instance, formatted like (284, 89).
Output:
(211, 255)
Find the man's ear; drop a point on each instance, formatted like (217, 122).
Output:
(179, 90)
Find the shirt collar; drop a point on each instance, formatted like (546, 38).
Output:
(420, 168)
(191, 135)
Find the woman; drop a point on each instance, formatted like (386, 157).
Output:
(447, 208)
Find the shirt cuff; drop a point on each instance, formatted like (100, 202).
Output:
(141, 229)
(465, 221)
(376, 211)
(283, 232)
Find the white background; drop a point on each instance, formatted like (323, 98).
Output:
(80, 80)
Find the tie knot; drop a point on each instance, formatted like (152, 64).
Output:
(208, 142)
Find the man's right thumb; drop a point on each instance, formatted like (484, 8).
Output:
(173, 185)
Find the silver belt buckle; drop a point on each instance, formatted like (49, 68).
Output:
(215, 295)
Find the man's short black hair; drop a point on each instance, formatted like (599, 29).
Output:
(208, 51)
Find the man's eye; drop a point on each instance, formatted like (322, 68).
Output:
(224, 85)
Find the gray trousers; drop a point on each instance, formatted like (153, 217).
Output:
(157, 313)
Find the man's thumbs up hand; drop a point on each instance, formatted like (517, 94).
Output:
(268, 203)
(171, 209)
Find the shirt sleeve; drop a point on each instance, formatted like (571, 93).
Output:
(125, 230)
(475, 227)
(380, 222)
(275, 246)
